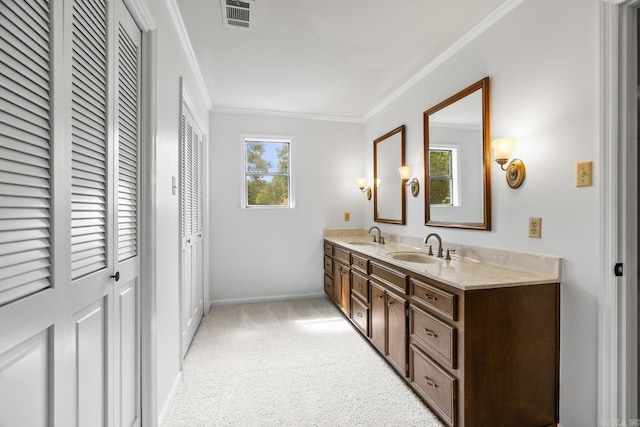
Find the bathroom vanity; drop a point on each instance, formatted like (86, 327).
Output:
(477, 341)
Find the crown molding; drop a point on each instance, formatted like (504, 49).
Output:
(176, 16)
(471, 35)
(304, 116)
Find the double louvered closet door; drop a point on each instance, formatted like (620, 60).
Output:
(69, 209)
(192, 181)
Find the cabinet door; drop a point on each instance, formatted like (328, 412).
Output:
(397, 332)
(341, 287)
(377, 327)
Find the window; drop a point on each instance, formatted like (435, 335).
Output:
(267, 173)
(443, 177)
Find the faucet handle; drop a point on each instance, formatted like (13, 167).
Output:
(448, 257)
(430, 250)
(381, 240)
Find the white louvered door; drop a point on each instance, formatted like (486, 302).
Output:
(69, 186)
(30, 326)
(192, 226)
(127, 292)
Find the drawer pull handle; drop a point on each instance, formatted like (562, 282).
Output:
(430, 382)
(359, 314)
(430, 297)
(430, 333)
(360, 285)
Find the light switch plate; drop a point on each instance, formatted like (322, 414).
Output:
(347, 216)
(584, 174)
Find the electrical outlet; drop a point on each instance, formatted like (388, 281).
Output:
(535, 227)
(347, 216)
(584, 174)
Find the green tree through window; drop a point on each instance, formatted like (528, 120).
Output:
(267, 173)
(440, 177)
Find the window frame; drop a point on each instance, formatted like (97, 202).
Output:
(244, 138)
(453, 177)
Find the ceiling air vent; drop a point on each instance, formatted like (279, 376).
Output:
(239, 14)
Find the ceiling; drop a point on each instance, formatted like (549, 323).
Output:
(323, 57)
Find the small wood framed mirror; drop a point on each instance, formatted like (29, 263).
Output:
(388, 188)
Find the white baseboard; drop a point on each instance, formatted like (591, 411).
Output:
(169, 400)
(264, 299)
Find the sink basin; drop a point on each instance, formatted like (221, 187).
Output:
(417, 257)
(361, 243)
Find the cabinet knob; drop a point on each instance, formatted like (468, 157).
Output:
(380, 296)
(359, 314)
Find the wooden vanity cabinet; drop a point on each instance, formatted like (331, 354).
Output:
(483, 357)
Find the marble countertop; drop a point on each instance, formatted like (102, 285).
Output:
(469, 268)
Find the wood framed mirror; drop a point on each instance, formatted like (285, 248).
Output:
(457, 160)
(388, 189)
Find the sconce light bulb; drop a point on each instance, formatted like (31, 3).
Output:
(502, 148)
(362, 182)
(405, 172)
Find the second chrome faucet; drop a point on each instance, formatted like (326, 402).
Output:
(426, 239)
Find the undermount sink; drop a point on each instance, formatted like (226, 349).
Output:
(417, 257)
(361, 243)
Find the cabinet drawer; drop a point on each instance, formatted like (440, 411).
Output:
(434, 335)
(437, 299)
(392, 277)
(360, 263)
(360, 315)
(436, 385)
(328, 265)
(328, 249)
(342, 255)
(328, 286)
(360, 285)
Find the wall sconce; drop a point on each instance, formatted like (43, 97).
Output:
(405, 174)
(515, 170)
(362, 185)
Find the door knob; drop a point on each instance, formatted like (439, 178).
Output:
(116, 276)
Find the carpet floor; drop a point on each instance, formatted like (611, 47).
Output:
(289, 363)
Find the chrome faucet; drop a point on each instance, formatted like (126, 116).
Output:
(380, 238)
(439, 243)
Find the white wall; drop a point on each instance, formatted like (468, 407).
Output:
(543, 60)
(266, 254)
(172, 64)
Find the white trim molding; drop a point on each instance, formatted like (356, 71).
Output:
(176, 16)
(617, 337)
(471, 35)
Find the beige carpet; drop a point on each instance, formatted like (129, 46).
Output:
(290, 363)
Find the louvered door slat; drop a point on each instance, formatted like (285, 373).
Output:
(34, 42)
(25, 193)
(9, 213)
(183, 167)
(42, 20)
(34, 27)
(89, 137)
(17, 94)
(128, 95)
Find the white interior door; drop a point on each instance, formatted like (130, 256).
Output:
(69, 331)
(192, 226)
(127, 292)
